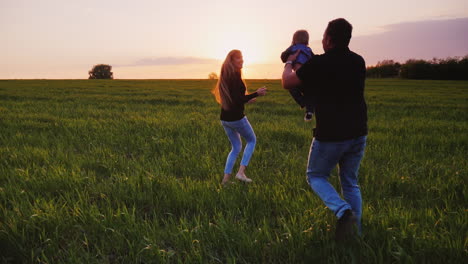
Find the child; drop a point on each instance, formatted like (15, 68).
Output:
(300, 42)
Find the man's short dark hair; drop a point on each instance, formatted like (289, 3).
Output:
(339, 31)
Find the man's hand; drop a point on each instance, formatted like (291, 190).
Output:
(289, 79)
(293, 57)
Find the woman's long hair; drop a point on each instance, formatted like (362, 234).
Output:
(228, 77)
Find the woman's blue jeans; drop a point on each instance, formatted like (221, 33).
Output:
(323, 157)
(234, 131)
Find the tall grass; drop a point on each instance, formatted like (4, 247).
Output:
(126, 171)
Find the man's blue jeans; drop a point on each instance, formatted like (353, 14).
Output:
(234, 131)
(323, 157)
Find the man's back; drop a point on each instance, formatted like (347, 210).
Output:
(335, 82)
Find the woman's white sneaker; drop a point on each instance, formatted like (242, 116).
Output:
(243, 178)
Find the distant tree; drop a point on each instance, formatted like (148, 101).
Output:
(454, 68)
(463, 64)
(384, 69)
(417, 69)
(449, 69)
(101, 71)
(213, 76)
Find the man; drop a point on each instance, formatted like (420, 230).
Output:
(335, 82)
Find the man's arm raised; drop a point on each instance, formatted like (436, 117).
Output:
(289, 79)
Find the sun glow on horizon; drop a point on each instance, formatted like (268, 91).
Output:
(249, 53)
(243, 40)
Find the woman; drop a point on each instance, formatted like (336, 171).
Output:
(231, 93)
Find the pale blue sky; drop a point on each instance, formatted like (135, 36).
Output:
(187, 39)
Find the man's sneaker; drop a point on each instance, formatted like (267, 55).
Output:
(346, 226)
(308, 116)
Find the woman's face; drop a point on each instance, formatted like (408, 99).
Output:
(238, 61)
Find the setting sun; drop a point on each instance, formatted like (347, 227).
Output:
(252, 50)
(247, 49)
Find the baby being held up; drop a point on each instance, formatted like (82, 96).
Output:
(300, 42)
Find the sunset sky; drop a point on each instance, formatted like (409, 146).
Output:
(61, 39)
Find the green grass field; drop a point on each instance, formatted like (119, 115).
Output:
(129, 171)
